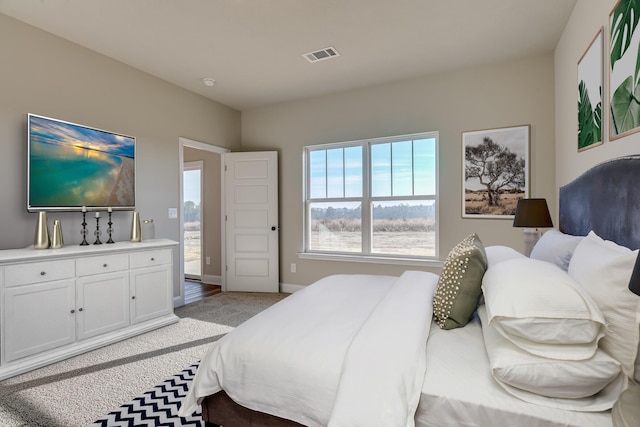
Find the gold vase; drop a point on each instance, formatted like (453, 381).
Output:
(136, 234)
(41, 236)
(56, 235)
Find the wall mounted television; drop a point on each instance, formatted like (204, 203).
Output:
(70, 166)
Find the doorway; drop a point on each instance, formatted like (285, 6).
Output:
(211, 214)
(192, 219)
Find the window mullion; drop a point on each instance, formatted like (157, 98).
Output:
(391, 167)
(366, 199)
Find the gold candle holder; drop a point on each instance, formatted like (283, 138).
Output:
(41, 236)
(56, 235)
(136, 235)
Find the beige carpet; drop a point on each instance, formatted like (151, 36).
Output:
(77, 391)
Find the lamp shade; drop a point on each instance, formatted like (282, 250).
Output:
(634, 282)
(532, 213)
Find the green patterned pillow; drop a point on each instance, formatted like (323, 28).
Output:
(459, 284)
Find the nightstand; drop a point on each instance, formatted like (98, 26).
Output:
(626, 411)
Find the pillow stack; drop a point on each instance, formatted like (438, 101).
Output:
(459, 285)
(541, 331)
(604, 268)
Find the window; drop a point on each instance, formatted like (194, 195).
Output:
(372, 198)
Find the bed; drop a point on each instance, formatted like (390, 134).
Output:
(329, 355)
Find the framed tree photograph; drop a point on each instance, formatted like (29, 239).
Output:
(590, 73)
(624, 73)
(495, 171)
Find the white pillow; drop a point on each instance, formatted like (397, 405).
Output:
(497, 253)
(541, 309)
(604, 268)
(588, 385)
(556, 247)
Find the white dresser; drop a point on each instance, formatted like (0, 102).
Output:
(57, 303)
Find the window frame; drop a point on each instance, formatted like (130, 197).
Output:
(366, 200)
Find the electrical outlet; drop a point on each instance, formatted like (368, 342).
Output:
(173, 213)
(293, 267)
(208, 260)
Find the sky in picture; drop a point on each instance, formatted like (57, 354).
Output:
(57, 132)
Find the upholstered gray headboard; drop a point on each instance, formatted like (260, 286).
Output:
(605, 199)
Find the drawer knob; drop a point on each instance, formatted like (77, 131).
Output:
(104, 265)
(42, 273)
(153, 259)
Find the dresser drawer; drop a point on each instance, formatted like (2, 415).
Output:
(38, 272)
(102, 264)
(150, 258)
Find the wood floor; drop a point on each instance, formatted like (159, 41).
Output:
(195, 291)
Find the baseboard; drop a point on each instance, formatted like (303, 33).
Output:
(178, 301)
(211, 279)
(289, 288)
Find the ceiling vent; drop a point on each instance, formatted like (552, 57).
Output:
(321, 55)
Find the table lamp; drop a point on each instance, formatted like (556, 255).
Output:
(532, 214)
(634, 282)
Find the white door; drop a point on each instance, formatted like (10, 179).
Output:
(251, 203)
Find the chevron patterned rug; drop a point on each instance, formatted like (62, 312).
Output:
(157, 407)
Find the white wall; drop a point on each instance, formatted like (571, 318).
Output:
(587, 18)
(498, 95)
(47, 75)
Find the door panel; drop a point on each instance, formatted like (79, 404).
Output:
(251, 189)
(103, 303)
(38, 317)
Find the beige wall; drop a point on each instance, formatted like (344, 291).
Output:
(210, 205)
(587, 18)
(47, 75)
(506, 94)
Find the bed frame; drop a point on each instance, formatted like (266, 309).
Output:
(220, 410)
(602, 199)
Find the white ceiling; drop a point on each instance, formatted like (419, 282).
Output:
(253, 48)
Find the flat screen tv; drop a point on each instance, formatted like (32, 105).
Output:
(70, 166)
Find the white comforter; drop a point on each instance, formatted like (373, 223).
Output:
(348, 350)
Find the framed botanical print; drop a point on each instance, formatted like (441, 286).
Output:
(624, 73)
(590, 95)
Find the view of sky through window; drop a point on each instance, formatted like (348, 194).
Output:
(403, 168)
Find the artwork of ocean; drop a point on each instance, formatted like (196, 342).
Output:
(70, 171)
